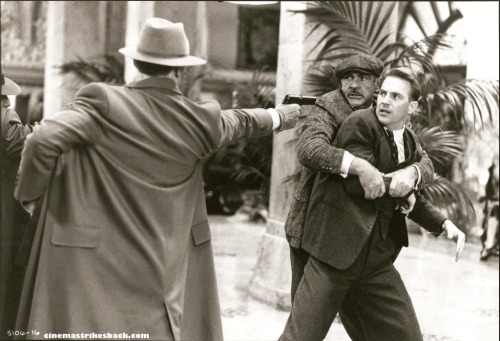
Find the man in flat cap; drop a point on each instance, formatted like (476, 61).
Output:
(123, 242)
(13, 134)
(358, 75)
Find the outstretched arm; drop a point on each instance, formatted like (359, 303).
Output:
(245, 123)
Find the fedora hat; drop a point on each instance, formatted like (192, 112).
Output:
(162, 42)
(9, 87)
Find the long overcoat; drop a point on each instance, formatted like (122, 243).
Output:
(123, 243)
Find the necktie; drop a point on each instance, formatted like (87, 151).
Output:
(394, 148)
(397, 219)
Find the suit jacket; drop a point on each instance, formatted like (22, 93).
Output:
(339, 222)
(123, 242)
(316, 153)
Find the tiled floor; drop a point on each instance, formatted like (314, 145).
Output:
(454, 301)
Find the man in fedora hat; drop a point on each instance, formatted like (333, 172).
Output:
(13, 136)
(123, 242)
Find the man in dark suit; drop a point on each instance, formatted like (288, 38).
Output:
(353, 241)
(122, 244)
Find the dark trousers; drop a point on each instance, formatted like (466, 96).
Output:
(348, 313)
(370, 295)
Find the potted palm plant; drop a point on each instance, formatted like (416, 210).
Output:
(344, 28)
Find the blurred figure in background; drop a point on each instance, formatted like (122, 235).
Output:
(491, 211)
(11, 225)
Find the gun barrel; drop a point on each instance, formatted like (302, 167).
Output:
(300, 100)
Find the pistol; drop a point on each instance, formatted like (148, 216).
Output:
(300, 100)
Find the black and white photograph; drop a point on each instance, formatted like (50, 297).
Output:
(249, 170)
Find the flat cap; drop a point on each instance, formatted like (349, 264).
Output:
(360, 62)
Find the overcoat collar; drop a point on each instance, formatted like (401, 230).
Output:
(156, 82)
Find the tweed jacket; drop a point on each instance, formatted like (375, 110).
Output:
(122, 244)
(339, 219)
(316, 153)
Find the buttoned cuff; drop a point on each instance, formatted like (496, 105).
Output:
(418, 178)
(275, 116)
(346, 164)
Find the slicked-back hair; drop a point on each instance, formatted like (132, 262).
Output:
(151, 69)
(408, 76)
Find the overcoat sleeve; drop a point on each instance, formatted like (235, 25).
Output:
(243, 123)
(77, 124)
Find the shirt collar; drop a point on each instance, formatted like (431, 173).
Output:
(156, 82)
(398, 134)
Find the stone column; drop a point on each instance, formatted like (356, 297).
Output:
(137, 13)
(74, 29)
(272, 277)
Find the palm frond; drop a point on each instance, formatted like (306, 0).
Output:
(190, 77)
(104, 68)
(292, 178)
(321, 80)
(441, 146)
(255, 93)
(482, 95)
(416, 55)
(344, 23)
(248, 172)
(250, 159)
(445, 194)
(348, 27)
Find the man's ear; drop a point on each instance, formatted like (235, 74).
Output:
(412, 107)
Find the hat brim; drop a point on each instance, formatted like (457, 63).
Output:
(133, 53)
(10, 88)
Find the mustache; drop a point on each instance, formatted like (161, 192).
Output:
(354, 92)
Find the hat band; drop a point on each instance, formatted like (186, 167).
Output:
(161, 55)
